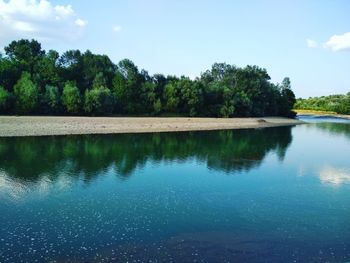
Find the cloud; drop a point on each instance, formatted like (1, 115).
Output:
(38, 19)
(311, 43)
(334, 176)
(339, 42)
(116, 28)
(81, 23)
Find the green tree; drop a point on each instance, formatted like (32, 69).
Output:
(99, 81)
(98, 101)
(25, 53)
(287, 98)
(336, 103)
(191, 96)
(46, 70)
(71, 98)
(171, 96)
(129, 93)
(228, 107)
(9, 73)
(224, 90)
(51, 100)
(26, 94)
(5, 100)
(157, 107)
(70, 68)
(148, 96)
(92, 66)
(119, 90)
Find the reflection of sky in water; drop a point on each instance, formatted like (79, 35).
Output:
(18, 190)
(321, 150)
(334, 176)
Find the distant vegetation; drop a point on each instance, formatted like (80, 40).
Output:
(334, 103)
(33, 81)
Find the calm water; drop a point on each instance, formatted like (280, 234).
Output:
(266, 195)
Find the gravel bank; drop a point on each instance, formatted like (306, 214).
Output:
(39, 125)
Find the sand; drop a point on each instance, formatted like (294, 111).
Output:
(11, 126)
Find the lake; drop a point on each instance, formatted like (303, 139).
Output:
(260, 195)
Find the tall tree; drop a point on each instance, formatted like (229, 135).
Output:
(51, 100)
(98, 101)
(26, 94)
(46, 71)
(71, 98)
(287, 98)
(25, 53)
(5, 100)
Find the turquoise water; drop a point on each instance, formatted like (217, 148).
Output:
(264, 195)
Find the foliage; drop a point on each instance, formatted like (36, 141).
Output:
(71, 98)
(98, 101)
(51, 100)
(5, 100)
(57, 80)
(335, 103)
(26, 94)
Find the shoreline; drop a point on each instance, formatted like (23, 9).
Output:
(321, 113)
(20, 126)
(339, 116)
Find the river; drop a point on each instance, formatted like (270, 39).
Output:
(255, 195)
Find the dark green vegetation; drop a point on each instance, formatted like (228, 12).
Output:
(235, 150)
(33, 81)
(336, 103)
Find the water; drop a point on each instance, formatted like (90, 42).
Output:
(323, 118)
(265, 195)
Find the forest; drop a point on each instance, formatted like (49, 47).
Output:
(336, 103)
(35, 81)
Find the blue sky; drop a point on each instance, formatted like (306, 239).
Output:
(308, 41)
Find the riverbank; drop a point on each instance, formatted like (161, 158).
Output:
(322, 113)
(11, 126)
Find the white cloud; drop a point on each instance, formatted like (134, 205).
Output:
(64, 10)
(116, 28)
(80, 22)
(339, 42)
(38, 19)
(23, 26)
(311, 43)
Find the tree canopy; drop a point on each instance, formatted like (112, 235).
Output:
(82, 83)
(335, 103)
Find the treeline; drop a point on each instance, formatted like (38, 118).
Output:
(33, 81)
(336, 103)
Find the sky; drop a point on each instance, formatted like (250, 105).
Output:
(308, 41)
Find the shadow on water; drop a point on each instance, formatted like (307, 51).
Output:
(29, 158)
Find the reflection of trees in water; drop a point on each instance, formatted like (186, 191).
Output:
(88, 155)
(335, 128)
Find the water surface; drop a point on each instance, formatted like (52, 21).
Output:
(264, 195)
